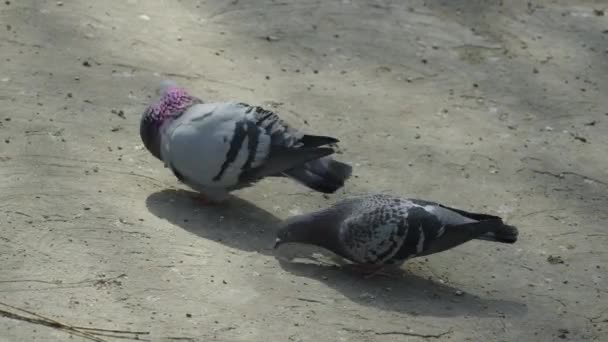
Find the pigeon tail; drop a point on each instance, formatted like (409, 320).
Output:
(501, 233)
(324, 175)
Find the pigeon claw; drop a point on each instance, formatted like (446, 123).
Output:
(203, 200)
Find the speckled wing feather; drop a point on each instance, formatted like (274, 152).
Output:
(288, 146)
(322, 174)
(374, 236)
(375, 229)
(387, 229)
(280, 132)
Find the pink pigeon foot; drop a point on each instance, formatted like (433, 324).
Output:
(203, 200)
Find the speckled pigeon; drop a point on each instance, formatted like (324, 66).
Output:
(215, 148)
(376, 230)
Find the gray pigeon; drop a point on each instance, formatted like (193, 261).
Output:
(377, 230)
(215, 148)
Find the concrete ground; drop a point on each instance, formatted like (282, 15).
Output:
(494, 106)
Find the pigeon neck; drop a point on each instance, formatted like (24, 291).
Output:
(327, 236)
(150, 135)
(152, 125)
(320, 229)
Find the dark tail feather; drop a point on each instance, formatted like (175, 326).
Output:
(317, 140)
(501, 233)
(324, 175)
(454, 235)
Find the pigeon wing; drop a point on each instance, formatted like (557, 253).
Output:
(373, 236)
(281, 132)
(229, 145)
(470, 215)
(288, 148)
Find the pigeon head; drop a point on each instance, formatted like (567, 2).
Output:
(172, 103)
(289, 234)
(315, 229)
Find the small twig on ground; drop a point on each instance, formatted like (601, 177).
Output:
(51, 324)
(539, 212)
(520, 265)
(88, 333)
(405, 333)
(561, 302)
(586, 177)
(309, 300)
(113, 331)
(562, 175)
(31, 281)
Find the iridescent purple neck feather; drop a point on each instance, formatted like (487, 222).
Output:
(174, 101)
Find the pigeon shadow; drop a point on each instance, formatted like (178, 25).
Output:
(236, 223)
(240, 224)
(404, 291)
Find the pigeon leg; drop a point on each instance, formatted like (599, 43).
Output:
(203, 200)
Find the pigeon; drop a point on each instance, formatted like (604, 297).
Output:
(215, 148)
(377, 230)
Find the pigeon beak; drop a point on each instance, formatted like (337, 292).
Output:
(277, 243)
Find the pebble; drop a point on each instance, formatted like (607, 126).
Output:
(555, 259)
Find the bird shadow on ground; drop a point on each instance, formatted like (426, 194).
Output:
(240, 224)
(236, 223)
(404, 291)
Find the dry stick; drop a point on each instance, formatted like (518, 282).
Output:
(114, 331)
(52, 325)
(50, 322)
(404, 333)
(72, 329)
(121, 337)
(414, 334)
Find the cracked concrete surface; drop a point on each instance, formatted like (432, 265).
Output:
(483, 105)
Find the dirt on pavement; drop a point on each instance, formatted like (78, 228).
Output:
(491, 106)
